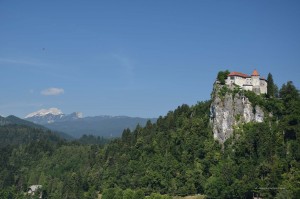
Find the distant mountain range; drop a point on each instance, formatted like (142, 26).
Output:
(76, 125)
(48, 116)
(13, 120)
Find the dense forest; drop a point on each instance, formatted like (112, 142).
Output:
(176, 156)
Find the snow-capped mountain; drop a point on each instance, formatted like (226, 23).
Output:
(51, 115)
(76, 125)
(43, 112)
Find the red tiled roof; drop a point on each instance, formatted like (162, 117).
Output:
(255, 73)
(238, 74)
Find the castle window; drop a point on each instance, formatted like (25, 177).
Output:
(232, 77)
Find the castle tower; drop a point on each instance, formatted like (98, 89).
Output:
(255, 82)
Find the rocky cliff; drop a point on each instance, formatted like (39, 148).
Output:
(230, 108)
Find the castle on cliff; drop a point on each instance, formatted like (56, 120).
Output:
(252, 82)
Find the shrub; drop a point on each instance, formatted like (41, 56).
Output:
(222, 76)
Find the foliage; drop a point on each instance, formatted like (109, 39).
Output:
(254, 98)
(177, 155)
(222, 91)
(117, 193)
(159, 196)
(271, 89)
(92, 140)
(222, 76)
(13, 134)
(10, 193)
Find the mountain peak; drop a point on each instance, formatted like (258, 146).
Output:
(51, 115)
(43, 112)
(74, 116)
(78, 114)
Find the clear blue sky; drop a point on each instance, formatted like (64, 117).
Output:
(138, 58)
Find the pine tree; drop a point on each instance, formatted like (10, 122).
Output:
(271, 86)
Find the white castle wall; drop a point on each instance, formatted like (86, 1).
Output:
(253, 83)
(247, 87)
(263, 86)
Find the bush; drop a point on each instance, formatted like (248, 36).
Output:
(128, 194)
(255, 99)
(222, 76)
(108, 193)
(159, 196)
(223, 90)
(117, 193)
(139, 194)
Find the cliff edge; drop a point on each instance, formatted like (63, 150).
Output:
(229, 108)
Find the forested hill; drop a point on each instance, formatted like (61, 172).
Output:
(13, 120)
(15, 135)
(177, 155)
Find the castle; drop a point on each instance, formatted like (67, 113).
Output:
(253, 83)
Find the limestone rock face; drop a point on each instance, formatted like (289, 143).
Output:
(230, 110)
